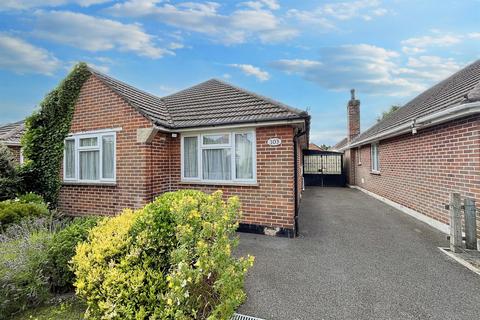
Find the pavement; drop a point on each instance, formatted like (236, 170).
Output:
(356, 258)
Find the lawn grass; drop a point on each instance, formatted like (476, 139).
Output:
(70, 309)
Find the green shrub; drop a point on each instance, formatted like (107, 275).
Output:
(12, 211)
(62, 250)
(23, 282)
(31, 197)
(169, 260)
(9, 179)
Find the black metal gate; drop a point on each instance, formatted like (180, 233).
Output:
(323, 168)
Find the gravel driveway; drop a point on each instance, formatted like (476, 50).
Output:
(356, 258)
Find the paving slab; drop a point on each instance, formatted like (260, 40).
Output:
(356, 258)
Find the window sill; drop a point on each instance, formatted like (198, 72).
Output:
(216, 183)
(89, 183)
(377, 173)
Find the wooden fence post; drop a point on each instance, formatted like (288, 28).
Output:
(455, 223)
(470, 223)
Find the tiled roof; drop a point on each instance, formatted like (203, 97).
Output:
(461, 87)
(147, 104)
(11, 133)
(342, 143)
(212, 102)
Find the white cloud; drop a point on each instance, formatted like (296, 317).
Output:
(22, 57)
(431, 68)
(95, 34)
(365, 9)
(433, 41)
(326, 15)
(270, 4)
(474, 35)
(370, 69)
(419, 44)
(250, 70)
(29, 4)
(412, 50)
(252, 20)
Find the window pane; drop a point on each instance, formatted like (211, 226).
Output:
(216, 138)
(374, 157)
(108, 156)
(244, 155)
(70, 159)
(217, 164)
(190, 157)
(88, 142)
(89, 165)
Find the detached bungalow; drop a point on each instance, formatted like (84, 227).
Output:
(10, 135)
(418, 155)
(127, 146)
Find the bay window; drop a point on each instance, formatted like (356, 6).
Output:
(90, 157)
(219, 157)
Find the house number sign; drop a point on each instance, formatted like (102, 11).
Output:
(274, 142)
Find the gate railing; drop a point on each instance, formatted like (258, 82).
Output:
(322, 164)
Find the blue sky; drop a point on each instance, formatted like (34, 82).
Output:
(307, 54)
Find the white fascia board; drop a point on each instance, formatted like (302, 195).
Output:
(439, 117)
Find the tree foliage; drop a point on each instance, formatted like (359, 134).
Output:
(46, 130)
(388, 112)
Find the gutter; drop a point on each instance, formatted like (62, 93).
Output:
(426, 121)
(233, 125)
(306, 131)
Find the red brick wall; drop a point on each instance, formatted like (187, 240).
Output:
(271, 203)
(161, 164)
(147, 170)
(420, 171)
(100, 108)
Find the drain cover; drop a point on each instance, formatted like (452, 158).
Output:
(237, 316)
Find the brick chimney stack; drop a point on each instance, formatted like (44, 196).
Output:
(353, 110)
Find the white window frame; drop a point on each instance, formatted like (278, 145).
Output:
(99, 147)
(375, 157)
(231, 145)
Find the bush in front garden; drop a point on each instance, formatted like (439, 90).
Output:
(34, 260)
(9, 179)
(13, 211)
(169, 260)
(31, 197)
(61, 251)
(24, 250)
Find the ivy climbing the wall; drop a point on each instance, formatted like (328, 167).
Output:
(46, 130)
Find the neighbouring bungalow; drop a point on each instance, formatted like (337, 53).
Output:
(10, 135)
(415, 157)
(340, 145)
(313, 146)
(127, 146)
